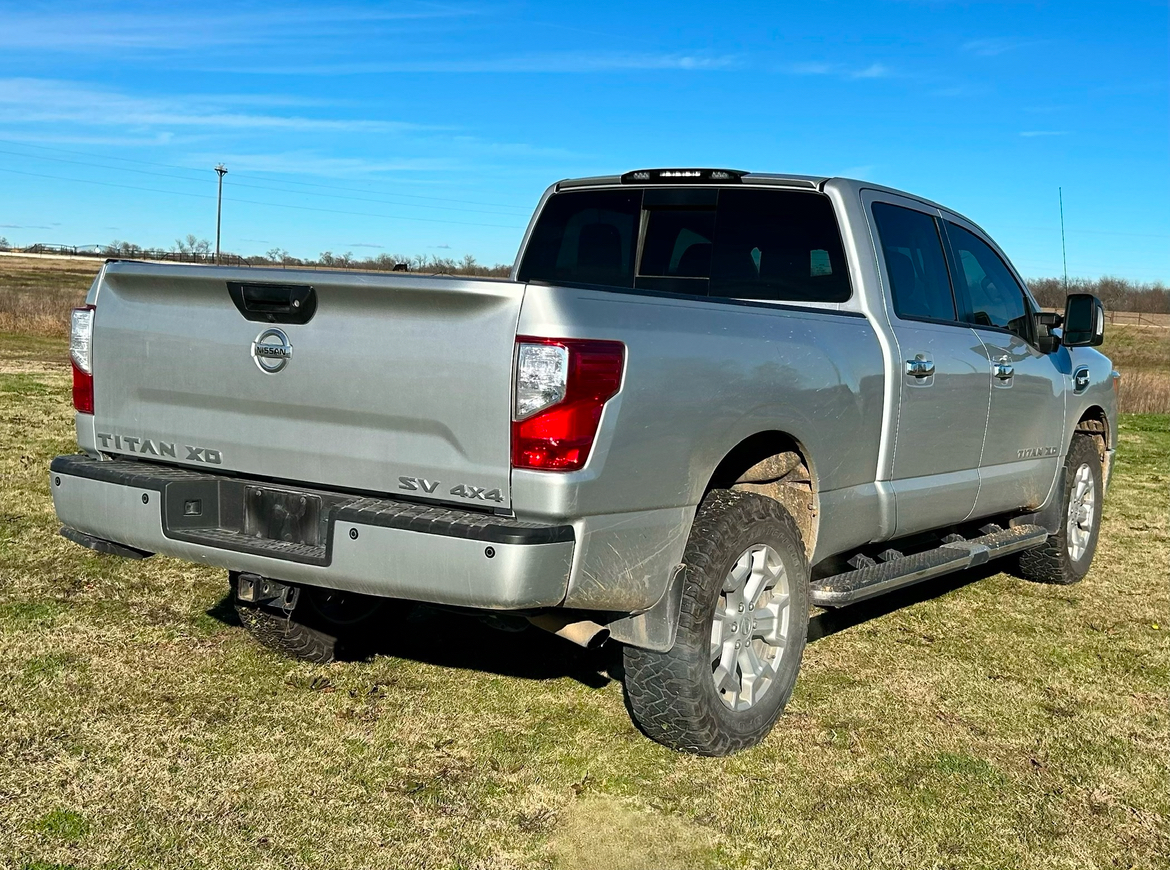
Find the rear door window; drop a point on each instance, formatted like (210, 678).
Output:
(915, 262)
(585, 237)
(768, 245)
(778, 245)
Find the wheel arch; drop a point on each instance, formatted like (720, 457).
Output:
(778, 465)
(765, 453)
(1094, 422)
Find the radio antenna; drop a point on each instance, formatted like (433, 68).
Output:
(1063, 250)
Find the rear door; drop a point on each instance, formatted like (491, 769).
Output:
(1025, 429)
(944, 383)
(396, 384)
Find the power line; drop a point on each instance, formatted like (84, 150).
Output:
(256, 202)
(255, 186)
(524, 208)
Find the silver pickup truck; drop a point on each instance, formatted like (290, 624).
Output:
(705, 402)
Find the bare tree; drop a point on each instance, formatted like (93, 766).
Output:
(193, 245)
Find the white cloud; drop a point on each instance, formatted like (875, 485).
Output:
(812, 69)
(993, 46)
(307, 163)
(159, 29)
(566, 62)
(818, 68)
(873, 71)
(40, 101)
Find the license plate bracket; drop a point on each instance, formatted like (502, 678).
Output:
(282, 515)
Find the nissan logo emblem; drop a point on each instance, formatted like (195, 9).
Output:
(271, 350)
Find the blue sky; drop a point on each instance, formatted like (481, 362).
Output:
(432, 128)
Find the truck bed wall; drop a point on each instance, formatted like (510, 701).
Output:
(701, 377)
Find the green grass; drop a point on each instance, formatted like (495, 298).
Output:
(995, 724)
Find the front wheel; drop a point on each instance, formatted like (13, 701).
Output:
(1064, 558)
(741, 632)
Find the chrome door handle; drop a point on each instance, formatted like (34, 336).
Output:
(920, 367)
(1004, 370)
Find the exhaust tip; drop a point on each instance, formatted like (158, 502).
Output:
(584, 632)
(598, 640)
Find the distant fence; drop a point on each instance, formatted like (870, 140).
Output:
(1138, 318)
(1131, 318)
(381, 264)
(105, 253)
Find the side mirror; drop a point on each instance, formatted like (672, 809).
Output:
(1046, 321)
(1084, 321)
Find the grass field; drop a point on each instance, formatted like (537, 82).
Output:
(973, 722)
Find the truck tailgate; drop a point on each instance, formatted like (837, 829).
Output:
(397, 384)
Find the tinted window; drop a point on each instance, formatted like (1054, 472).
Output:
(585, 238)
(741, 243)
(915, 262)
(677, 243)
(993, 295)
(778, 245)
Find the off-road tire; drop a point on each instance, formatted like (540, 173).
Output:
(1051, 561)
(309, 634)
(671, 696)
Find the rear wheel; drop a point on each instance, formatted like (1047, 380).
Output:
(325, 624)
(741, 632)
(1065, 557)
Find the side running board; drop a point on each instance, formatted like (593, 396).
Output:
(871, 578)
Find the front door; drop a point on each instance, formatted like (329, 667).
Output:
(942, 371)
(1025, 428)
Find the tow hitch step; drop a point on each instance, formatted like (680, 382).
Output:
(871, 578)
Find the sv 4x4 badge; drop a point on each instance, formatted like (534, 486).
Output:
(459, 490)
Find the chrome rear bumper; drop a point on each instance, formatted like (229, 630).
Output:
(368, 545)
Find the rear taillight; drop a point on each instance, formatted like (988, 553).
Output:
(561, 387)
(81, 357)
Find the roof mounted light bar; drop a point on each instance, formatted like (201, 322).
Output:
(684, 176)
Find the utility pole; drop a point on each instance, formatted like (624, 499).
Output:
(1063, 251)
(221, 171)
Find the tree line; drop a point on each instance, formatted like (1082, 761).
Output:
(1118, 294)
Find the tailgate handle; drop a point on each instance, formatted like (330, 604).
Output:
(274, 303)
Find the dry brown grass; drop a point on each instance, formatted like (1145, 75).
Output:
(1142, 355)
(36, 294)
(1145, 392)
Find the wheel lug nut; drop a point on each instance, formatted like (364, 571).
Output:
(741, 608)
(737, 644)
(751, 607)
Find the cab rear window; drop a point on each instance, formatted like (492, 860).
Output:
(749, 243)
